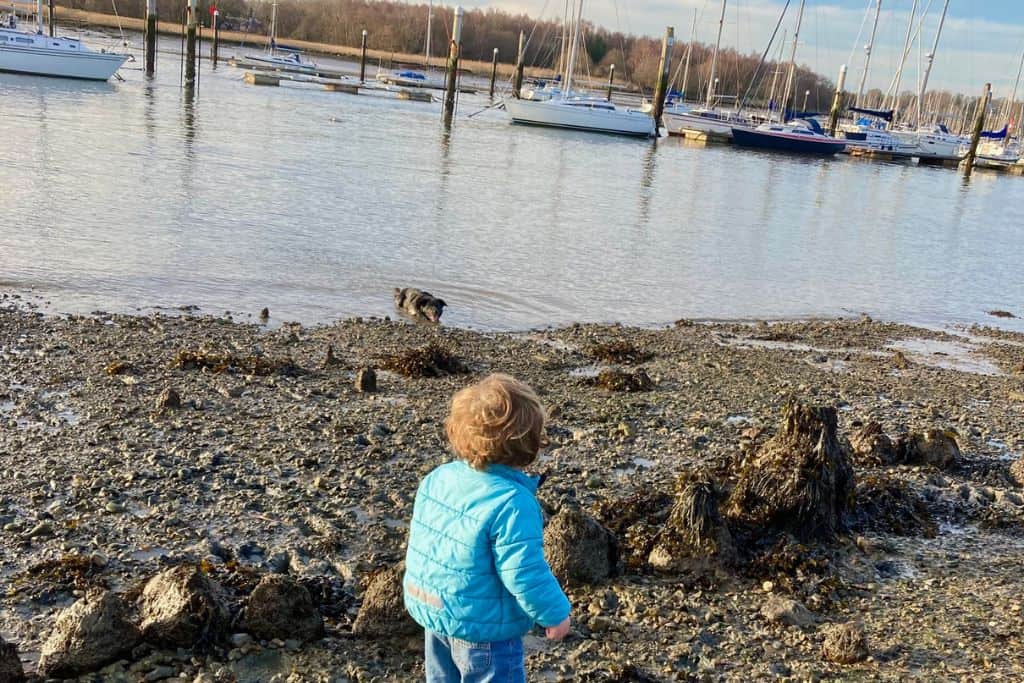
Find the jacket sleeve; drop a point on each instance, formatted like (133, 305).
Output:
(517, 538)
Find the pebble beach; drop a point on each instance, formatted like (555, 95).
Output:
(243, 449)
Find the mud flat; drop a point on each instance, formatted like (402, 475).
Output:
(133, 445)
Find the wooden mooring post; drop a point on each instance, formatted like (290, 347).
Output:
(837, 102)
(494, 70)
(150, 36)
(517, 81)
(979, 125)
(362, 60)
(216, 37)
(661, 90)
(49, 19)
(453, 66)
(190, 44)
(611, 79)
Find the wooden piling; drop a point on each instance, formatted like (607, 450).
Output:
(257, 78)
(517, 81)
(837, 102)
(190, 44)
(50, 16)
(611, 79)
(151, 15)
(453, 66)
(661, 90)
(362, 60)
(216, 37)
(979, 126)
(494, 70)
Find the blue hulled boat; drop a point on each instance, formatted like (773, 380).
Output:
(802, 136)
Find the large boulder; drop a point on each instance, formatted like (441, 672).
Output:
(579, 549)
(88, 635)
(383, 610)
(182, 607)
(935, 448)
(281, 607)
(695, 540)
(800, 481)
(845, 644)
(11, 670)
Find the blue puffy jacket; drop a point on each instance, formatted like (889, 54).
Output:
(475, 566)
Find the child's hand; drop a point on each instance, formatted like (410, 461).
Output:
(558, 632)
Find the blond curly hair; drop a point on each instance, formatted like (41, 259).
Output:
(498, 420)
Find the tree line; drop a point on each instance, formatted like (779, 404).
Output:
(401, 28)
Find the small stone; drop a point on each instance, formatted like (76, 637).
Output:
(169, 399)
(240, 639)
(114, 508)
(160, 673)
(768, 586)
(292, 645)
(98, 559)
(264, 314)
(787, 611)
(41, 529)
(845, 644)
(366, 380)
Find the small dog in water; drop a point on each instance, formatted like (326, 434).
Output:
(419, 304)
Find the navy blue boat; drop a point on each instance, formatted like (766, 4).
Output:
(801, 136)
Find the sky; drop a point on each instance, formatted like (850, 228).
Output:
(982, 40)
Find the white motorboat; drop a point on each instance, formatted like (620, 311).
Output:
(409, 79)
(932, 142)
(865, 138)
(578, 112)
(680, 118)
(998, 154)
(581, 113)
(63, 57)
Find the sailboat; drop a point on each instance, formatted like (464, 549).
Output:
(799, 136)
(706, 119)
(281, 58)
(580, 112)
(42, 55)
(412, 78)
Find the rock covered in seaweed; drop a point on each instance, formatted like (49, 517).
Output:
(280, 607)
(888, 505)
(800, 481)
(845, 644)
(383, 610)
(11, 670)
(871, 446)
(183, 607)
(88, 635)
(695, 539)
(579, 549)
(935, 447)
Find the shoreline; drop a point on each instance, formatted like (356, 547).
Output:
(235, 475)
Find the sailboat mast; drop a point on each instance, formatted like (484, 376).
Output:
(430, 16)
(895, 90)
(775, 72)
(867, 53)
(1013, 98)
(273, 27)
(714, 59)
(563, 44)
(689, 51)
(931, 59)
(571, 67)
(792, 61)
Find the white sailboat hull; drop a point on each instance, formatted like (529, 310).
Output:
(281, 63)
(30, 53)
(676, 123)
(564, 114)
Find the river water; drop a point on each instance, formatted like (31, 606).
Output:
(130, 196)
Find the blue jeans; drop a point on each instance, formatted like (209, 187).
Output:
(450, 660)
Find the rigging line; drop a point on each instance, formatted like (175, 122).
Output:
(860, 32)
(120, 28)
(764, 55)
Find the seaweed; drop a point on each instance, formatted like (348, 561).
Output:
(222, 362)
(118, 367)
(52, 580)
(636, 520)
(887, 505)
(432, 360)
(620, 351)
(612, 379)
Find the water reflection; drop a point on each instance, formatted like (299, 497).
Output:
(521, 226)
